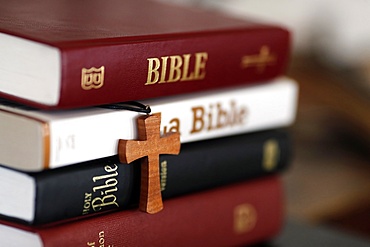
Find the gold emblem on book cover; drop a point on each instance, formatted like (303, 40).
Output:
(271, 155)
(92, 78)
(261, 60)
(245, 218)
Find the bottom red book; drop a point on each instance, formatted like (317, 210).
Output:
(238, 214)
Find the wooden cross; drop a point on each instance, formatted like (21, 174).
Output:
(149, 146)
(261, 60)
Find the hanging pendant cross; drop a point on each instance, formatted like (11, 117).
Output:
(149, 146)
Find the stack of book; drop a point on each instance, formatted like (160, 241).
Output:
(216, 81)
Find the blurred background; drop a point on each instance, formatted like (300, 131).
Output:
(328, 182)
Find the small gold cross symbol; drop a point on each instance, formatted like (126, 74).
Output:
(261, 60)
(149, 146)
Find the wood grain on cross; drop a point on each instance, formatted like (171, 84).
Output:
(149, 146)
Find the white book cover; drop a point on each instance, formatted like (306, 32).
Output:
(34, 140)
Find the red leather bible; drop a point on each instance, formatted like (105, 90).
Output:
(234, 215)
(64, 54)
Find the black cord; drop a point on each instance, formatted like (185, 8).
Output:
(129, 105)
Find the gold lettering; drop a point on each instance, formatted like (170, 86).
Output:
(174, 127)
(240, 118)
(198, 122)
(108, 168)
(108, 183)
(217, 116)
(222, 117)
(177, 68)
(271, 153)
(87, 203)
(101, 241)
(200, 65)
(153, 67)
(98, 202)
(164, 69)
(185, 76)
(163, 175)
(105, 189)
(210, 117)
(107, 176)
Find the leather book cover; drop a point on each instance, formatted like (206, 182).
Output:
(103, 185)
(121, 50)
(234, 215)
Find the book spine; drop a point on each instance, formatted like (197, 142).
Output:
(223, 161)
(234, 215)
(136, 71)
(87, 188)
(202, 116)
(105, 185)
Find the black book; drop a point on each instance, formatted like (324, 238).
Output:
(105, 184)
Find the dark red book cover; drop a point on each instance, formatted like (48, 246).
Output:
(120, 50)
(234, 215)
